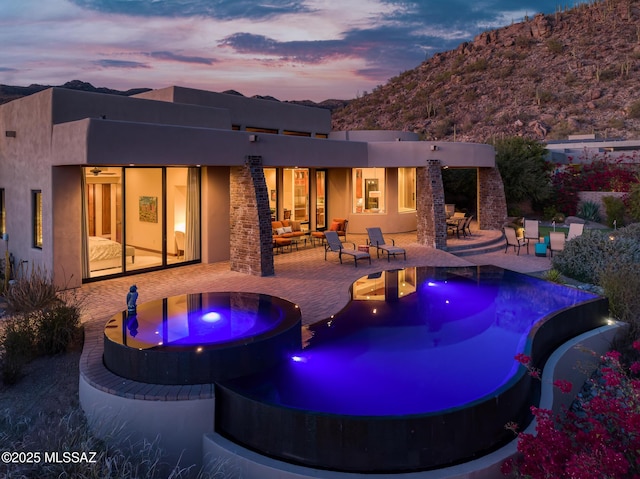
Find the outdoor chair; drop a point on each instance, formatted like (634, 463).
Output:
(513, 240)
(556, 241)
(575, 230)
(467, 225)
(336, 246)
(455, 225)
(531, 231)
(339, 225)
(376, 239)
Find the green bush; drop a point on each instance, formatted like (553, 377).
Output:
(614, 208)
(621, 283)
(589, 211)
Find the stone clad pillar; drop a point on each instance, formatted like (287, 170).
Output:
(492, 203)
(251, 241)
(431, 220)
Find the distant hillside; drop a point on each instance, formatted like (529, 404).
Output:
(573, 72)
(8, 93)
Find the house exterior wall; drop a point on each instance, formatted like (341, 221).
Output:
(251, 112)
(59, 130)
(25, 166)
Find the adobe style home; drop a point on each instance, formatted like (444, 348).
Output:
(95, 185)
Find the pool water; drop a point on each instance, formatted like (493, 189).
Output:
(449, 342)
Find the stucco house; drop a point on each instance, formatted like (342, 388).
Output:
(95, 185)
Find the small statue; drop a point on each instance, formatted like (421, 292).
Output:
(132, 297)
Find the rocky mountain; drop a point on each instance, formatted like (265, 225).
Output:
(573, 72)
(8, 93)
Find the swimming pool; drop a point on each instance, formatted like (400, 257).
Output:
(416, 372)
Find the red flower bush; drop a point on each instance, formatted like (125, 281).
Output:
(597, 438)
(601, 173)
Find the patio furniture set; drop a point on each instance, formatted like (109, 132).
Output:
(555, 241)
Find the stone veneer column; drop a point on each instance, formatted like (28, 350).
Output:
(251, 248)
(432, 221)
(492, 203)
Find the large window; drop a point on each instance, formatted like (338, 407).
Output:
(369, 190)
(36, 209)
(139, 218)
(406, 189)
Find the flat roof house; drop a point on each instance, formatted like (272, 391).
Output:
(95, 185)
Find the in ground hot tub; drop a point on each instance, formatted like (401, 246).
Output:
(201, 338)
(416, 373)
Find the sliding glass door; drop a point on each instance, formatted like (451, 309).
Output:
(139, 218)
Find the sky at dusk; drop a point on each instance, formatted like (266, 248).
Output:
(290, 49)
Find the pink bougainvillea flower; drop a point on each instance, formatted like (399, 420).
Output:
(563, 385)
(635, 367)
(523, 358)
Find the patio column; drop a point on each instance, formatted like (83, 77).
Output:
(432, 221)
(492, 203)
(251, 242)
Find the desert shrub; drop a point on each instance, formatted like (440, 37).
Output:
(32, 291)
(16, 347)
(554, 276)
(621, 283)
(632, 200)
(634, 109)
(584, 258)
(590, 211)
(56, 328)
(554, 45)
(614, 208)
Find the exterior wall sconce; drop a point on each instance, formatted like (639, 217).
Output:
(434, 148)
(253, 138)
(10, 133)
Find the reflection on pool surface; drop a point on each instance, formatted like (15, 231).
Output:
(449, 343)
(416, 372)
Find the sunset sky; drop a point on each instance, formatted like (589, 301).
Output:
(289, 49)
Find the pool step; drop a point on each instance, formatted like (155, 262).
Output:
(489, 246)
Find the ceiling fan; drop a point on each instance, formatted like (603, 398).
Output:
(99, 171)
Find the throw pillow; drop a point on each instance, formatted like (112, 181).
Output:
(287, 229)
(335, 226)
(280, 231)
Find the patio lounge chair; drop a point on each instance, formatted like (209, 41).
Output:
(575, 229)
(556, 241)
(531, 231)
(376, 239)
(513, 240)
(336, 246)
